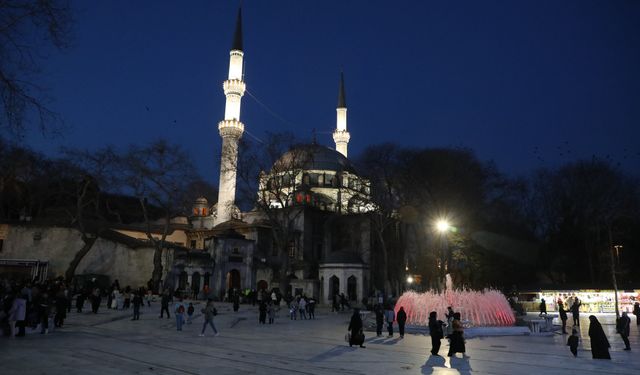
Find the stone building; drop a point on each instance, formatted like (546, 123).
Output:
(218, 246)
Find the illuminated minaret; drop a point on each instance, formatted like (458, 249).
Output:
(231, 128)
(341, 136)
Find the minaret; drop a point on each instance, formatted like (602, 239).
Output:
(341, 136)
(231, 128)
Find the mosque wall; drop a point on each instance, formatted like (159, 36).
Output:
(58, 246)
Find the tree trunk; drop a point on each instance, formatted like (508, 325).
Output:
(385, 260)
(71, 270)
(156, 275)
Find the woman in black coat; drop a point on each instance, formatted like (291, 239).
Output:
(456, 339)
(435, 331)
(355, 327)
(599, 343)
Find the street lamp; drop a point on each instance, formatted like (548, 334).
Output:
(442, 226)
(409, 280)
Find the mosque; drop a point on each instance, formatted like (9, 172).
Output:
(313, 191)
(308, 232)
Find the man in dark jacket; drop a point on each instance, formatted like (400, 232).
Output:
(623, 327)
(137, 302)
(575, 311)
(164, 303)
(563, 317)
(379, 311)
(401, 318)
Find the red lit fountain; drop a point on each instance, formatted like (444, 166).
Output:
(486, 308)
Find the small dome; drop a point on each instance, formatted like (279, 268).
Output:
(201, 201)
(314, 156)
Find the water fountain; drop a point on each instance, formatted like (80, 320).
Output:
(486, 308)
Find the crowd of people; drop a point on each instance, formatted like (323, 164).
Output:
(43, 304)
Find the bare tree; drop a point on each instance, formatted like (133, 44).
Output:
(27, 28)
(80, 178)
(382, 168)
(159, 175)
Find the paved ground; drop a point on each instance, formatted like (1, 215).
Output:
(109, 343)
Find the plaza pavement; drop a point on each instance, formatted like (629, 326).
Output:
(110, 343)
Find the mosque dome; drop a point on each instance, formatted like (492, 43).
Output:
(313, 157)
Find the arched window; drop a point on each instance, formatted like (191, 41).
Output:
(352, 288)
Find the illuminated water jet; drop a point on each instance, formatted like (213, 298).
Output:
(485, 308)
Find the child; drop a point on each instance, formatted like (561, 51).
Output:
(190, 311)
(573, 342)
(271, 312)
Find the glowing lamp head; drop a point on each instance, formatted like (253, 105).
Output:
(442, 226)
(410, 280)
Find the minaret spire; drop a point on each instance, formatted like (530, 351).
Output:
(341, 136)
(231, 129)
(342, 99)
(237, 36)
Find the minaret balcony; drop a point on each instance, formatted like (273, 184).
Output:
(341, 136)
(230, 128)
(234, 86)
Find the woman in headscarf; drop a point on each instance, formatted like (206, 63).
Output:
(355, 327)
(456, 343)
(599, 343)
(435, 331)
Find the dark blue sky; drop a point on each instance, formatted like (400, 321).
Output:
(524, 83)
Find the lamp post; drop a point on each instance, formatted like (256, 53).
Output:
(442, 227)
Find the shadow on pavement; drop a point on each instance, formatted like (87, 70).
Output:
(432, 363)
(332, 353)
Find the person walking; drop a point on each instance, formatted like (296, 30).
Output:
(623, 326)
(80, 301)
(543, 307)
(302, 308)
(436, 332)
(190, 311)
(95, 300)
(262, 308)
(355, 328)
(271, 312)
(563, 317)
(449, 316)
(573, 341)
(636, 312)
(599, 343)
(293, 307)
(148, 297)
(164, 305)
(379, 311)
(137, 302)
(209, 312)
(179, 311)
(61, 309)
(311, 308)
(334, 303)
(402, 319)
(575, 311)
(456, 343)
(44, 311)
(236, 301)
(390, 316)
